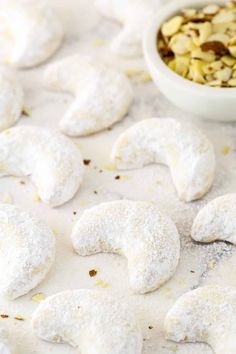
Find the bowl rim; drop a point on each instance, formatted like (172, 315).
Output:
(152, 55)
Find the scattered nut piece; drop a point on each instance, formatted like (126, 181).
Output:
(93, 273)
(226, 150)
(36, 198)
(3, 315)
(86, 162)
(101, 283)
(18, 318)
(26, 112)
(38, 297)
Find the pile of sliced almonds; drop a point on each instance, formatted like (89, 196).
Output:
(200, 44)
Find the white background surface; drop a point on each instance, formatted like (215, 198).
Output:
(87, 32)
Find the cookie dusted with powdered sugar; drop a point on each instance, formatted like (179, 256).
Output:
(134, 16)
(89, 320)
(36, 32)
(52, 162)
(188, 153)
(216, 221)
(11, 98)
(205, 315)
(103, 95)
(139, 231)
(27, 251)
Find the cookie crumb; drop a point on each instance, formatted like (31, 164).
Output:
(87, 162)
(101, 283)
(38, 297)
(3, 315)
(226, 150)
(92, 273)
(26, 112)
(36, 198)
(19, 318)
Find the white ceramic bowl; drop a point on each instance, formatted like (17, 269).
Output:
(207, 102)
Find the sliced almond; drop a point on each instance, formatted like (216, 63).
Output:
(231, 4)
(172, 64)
(180, 44)
(181, 68)
(205, 31)
(199, 54)
(224, 17)
(209, 77)
(232, 83)
(227, 28)
(189, 13)
(213, 67)
(172, 26)
(232, 51)
(196, 70)
(228, 60)
(223, 75)
(232, 41)
(219, 37)
(211, 9)
(215, 83)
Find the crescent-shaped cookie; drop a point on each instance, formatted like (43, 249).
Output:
(139, 231)
(103, 95)
(30, 32)
(205, 315)
(27, 249)
(51, 161)
(91, 321)
(182, 147)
